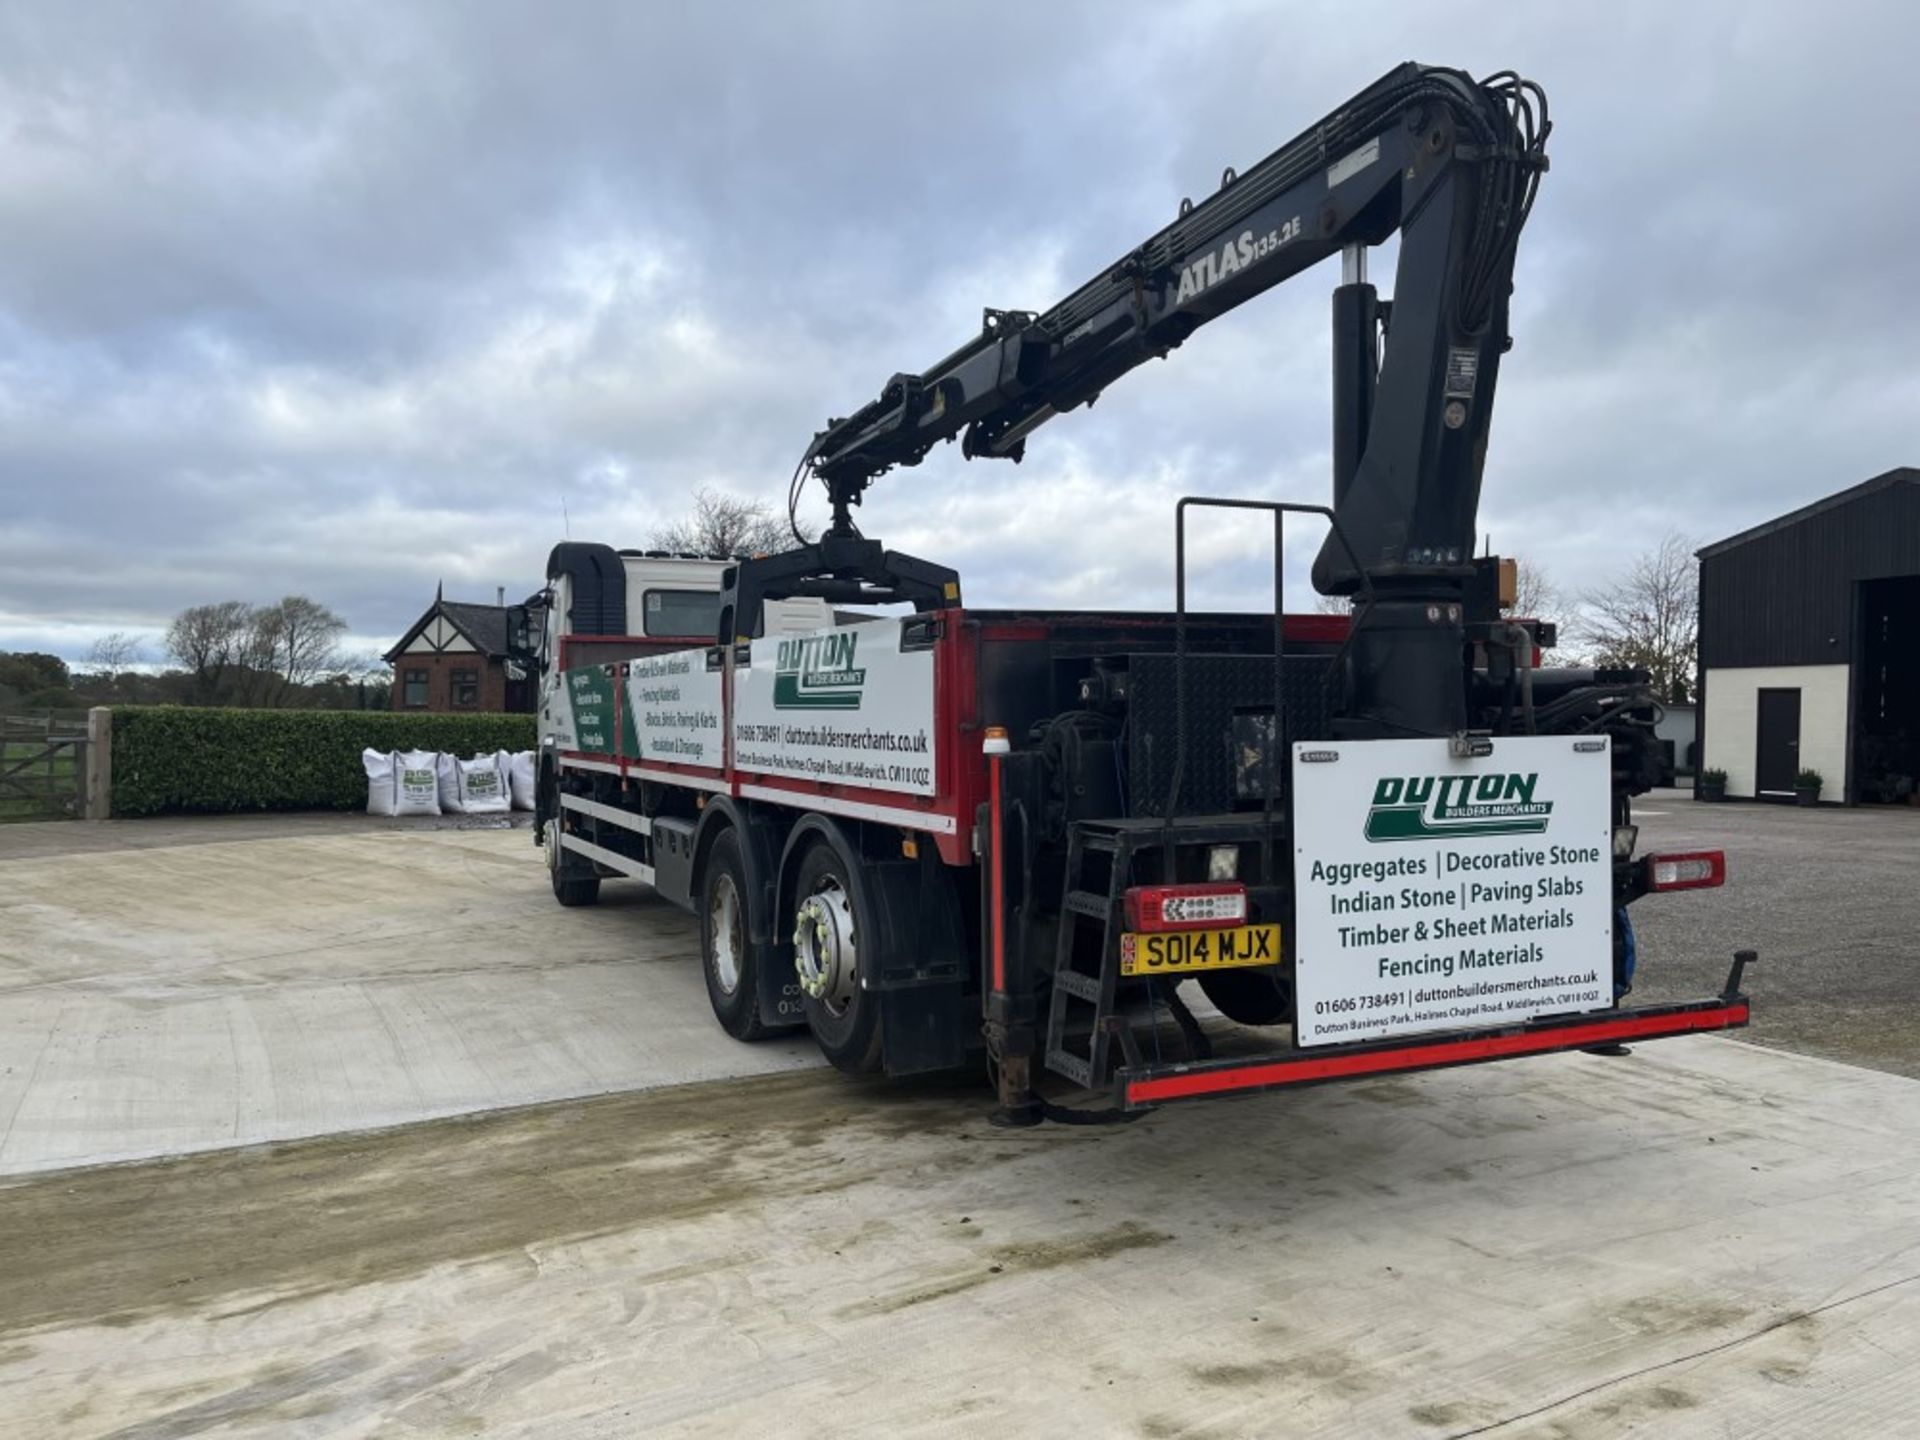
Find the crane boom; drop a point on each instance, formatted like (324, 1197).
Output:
(1449, 163)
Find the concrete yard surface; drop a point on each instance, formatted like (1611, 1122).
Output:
(1708, 1239)
(164, 989)
(409, 1150)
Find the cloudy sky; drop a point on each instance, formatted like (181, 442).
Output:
(346, 299)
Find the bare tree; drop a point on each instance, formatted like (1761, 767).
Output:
(306, 639)
(256, 674)
(1649, 618)
(1535, 596)
(113, 652)
(240, 654)
(725, 525)
(206, 640)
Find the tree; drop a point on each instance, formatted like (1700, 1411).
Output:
(725, 525)
(255, 678)
(33, 680)
(305, 639)
(262, 655)
(29, 670)
(1535, 597)
(205, 641)
(1649, 618)
(113, 652)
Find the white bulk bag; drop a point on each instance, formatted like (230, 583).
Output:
(416, 782)
(380, 786)
(520, 775)
(483, 790)
(447, 768)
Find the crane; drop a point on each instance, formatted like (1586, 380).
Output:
(1449, 163)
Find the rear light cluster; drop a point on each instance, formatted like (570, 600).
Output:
(1692, 870)
(1186, 907)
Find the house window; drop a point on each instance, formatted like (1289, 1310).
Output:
(416, 689)
(466, 688)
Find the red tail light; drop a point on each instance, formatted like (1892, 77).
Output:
(1688, 870)
(1186, 907)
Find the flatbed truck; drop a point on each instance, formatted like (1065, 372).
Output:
(936, 835)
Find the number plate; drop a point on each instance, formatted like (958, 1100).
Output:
(1176, 952)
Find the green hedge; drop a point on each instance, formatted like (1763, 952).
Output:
(170, 758)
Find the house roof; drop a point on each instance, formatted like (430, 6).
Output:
(1901, 475)
(485, 627)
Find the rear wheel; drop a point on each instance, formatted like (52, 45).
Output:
(1249, 997)
(729, 957)
(574, 879)
(828, 924)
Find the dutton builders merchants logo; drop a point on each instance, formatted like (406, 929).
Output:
(1434, 807)
(816, 672)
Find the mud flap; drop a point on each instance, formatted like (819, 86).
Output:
(925, 1028)
(777, 993)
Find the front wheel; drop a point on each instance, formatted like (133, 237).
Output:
(828, 924)
(574, 880)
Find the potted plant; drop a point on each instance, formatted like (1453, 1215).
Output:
(1713, 784)
(1806, 787)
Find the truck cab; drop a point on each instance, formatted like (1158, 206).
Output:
(602, 606)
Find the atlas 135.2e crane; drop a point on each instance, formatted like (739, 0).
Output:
(1397, 836)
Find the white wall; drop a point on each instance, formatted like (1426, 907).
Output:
(1733, 721)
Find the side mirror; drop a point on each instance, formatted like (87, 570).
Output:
(521, 645)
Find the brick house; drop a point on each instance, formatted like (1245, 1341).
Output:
(454, 658)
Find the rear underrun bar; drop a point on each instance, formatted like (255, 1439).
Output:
(1158, 1084)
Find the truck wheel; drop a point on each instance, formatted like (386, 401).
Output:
(1248, 997)
(574, 879)
(827, 924)
(729, 957)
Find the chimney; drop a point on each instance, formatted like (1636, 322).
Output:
(500, 596)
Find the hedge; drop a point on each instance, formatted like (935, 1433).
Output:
(170, 758)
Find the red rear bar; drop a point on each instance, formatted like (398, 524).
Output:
(1155, 1085)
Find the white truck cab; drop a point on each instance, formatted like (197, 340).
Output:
(605, 605)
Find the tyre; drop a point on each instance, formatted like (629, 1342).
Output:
(829, 916)
(574, 879)
(1249, 997)
(729, 957)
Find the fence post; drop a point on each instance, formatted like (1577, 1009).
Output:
(99, 763)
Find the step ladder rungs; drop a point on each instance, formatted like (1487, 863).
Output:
(1074, 1067)
(1084, 987)
(1090, 903)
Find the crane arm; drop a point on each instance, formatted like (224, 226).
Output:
(1448, 162)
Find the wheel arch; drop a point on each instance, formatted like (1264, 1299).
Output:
(757, 857)
(799, 840)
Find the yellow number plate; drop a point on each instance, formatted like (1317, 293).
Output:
(1175, 952)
